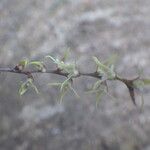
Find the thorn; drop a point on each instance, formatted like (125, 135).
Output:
(132, 94)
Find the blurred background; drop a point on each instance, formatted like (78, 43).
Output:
(34, 28)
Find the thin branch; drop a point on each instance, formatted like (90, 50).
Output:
(128, 82)
(56, 71)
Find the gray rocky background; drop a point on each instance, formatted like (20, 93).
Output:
(34, 28)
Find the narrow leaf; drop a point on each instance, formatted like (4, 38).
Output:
(66, 53)
(23, 63)
(52, 58)
(62, 94)
(146, 81)
(35, 88)
(97, 84)
(65, 83)
(111, 60)
(38, 64)
(23, 88)
(104, 69)
(98, 98)
(54, 84)
(74, 91)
